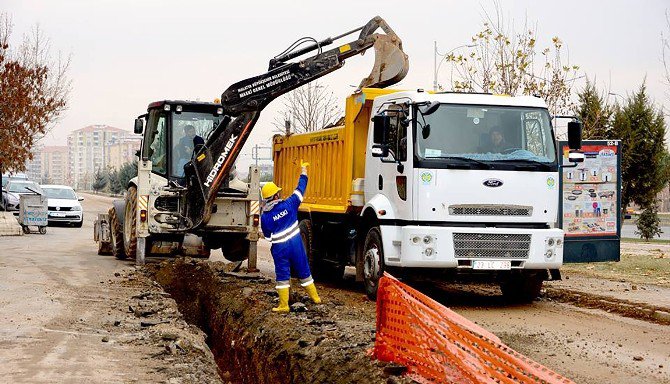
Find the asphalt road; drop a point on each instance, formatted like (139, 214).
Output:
(628, 232)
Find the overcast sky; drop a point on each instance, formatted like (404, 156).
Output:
(128, 53)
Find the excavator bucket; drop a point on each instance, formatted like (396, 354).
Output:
(391, 63)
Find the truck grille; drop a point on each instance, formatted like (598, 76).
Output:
(491, 245)
(490, 210)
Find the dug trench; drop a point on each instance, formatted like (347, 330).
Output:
(326, 343)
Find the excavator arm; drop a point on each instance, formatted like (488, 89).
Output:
(243, 101)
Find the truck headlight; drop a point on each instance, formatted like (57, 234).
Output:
(427, 239)
(429, 252)
(76, 208)
(549, 254)
(416, 239)
(559, 242)
(550, 241)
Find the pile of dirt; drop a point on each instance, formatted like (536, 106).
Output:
(326, 343)
(150, 318)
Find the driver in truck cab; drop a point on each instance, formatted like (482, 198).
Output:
(279, 222)
(496, 141)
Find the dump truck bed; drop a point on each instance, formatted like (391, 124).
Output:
(336, 155)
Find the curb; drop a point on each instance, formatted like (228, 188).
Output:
(636, 310)
(8, 225)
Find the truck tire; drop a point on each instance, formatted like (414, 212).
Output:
(116, 235)
(130, 223)
(373, 262)
(522, 288)
(322, 270)
(307, 236)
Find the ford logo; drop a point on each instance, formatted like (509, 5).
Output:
(493, 183)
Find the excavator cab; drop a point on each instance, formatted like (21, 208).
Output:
(175, 131)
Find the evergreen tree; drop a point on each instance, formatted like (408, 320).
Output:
(648, 224)
(641, 128)
(100, 181)
(594, 113)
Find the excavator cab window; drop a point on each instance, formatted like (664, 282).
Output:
(190, 131)
(155, 143)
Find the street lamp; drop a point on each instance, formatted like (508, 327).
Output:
(436, 66)
(618, 95)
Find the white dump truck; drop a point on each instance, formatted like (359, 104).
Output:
(433, 184)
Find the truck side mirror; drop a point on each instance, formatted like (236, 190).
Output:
(139, 126)
(380, 127)
(575, 135)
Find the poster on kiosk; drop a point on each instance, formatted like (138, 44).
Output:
(590, 204)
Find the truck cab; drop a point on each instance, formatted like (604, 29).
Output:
(465, 182)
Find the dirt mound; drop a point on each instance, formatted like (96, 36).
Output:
(325, 343)
(149, 318)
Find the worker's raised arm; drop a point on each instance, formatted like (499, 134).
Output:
(299, 194)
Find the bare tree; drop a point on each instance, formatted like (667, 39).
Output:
(504, 61)
(309, 108)
(34, 89)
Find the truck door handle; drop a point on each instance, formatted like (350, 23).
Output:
(381, 182)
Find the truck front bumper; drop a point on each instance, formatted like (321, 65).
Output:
(459, 247)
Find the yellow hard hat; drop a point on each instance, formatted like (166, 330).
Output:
(269, 189)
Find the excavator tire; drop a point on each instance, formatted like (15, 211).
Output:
(130, 223)
(116, 234)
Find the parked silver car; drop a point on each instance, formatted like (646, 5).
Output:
(13, 190)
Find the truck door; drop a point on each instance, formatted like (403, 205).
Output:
(395, 170)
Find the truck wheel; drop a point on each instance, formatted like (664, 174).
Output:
(522, 288)
(307, 236)
(130, 223)
(116, 235)
(373, 262)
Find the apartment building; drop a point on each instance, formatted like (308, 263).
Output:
(55, 165)
(88, 151)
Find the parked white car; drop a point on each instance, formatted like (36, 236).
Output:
(12, 191)
(64, 206)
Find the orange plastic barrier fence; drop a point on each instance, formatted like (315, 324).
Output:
(439, 346)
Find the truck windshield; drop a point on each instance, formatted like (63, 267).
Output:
(189, 131)
(485, 133)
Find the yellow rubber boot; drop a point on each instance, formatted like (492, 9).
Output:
(283, 301)
(311, 291)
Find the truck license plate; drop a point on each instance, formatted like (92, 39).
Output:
(492, 264)
(57, 214)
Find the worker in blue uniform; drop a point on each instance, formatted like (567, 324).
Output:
(279, 221)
